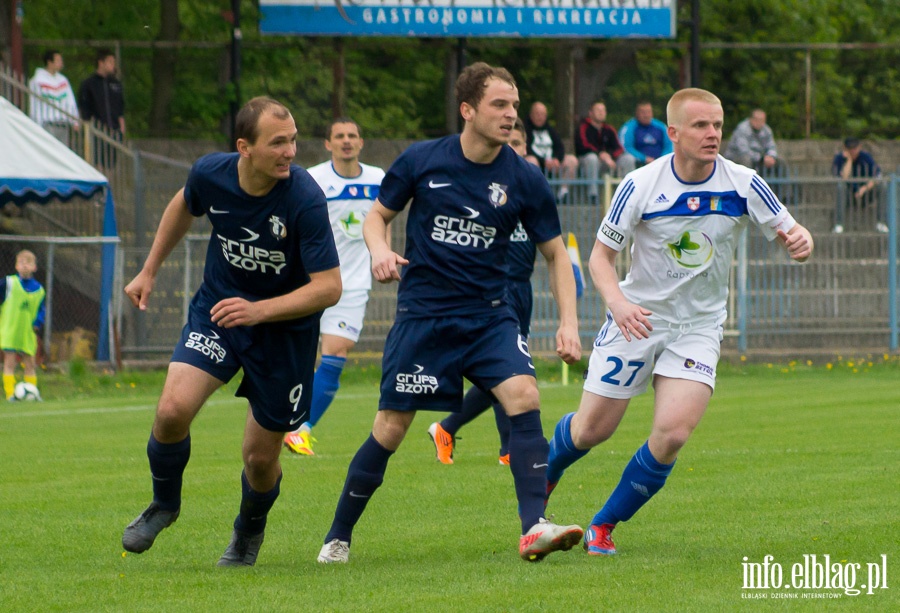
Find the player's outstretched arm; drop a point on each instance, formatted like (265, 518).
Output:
(631, 318)
(562, 285)
(385, 262)
(174, 224)
(322, 291)
(798, 242)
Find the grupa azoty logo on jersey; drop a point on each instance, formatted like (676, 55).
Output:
(416, 382)
(463, 230)
(241, 253)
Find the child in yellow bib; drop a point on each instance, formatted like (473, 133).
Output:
(21, 315)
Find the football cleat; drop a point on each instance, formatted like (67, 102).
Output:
(242, 550)
(443, 443)
(299, 442)
(140, 533)
(545, 537)
(504, 460)
(334, 552)
(598, 540)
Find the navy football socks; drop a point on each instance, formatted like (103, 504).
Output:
(255, 506)
(364, 476)
(528, 462)
(167, 464)
(475, 402)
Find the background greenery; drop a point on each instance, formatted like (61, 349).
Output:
(790, 460)
(395, 87)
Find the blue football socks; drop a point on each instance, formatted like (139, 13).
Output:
(528, 462)
(167, 464)
(562, 450)
(326, 382)
(255, 506)
(642, 478)
(364, 476)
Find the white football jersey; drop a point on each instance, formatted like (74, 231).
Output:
(685, 234)
(349, 201)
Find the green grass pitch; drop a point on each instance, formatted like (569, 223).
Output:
(789, 461)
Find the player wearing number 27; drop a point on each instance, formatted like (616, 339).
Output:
(683, 214)
(468, 193)
(271, 268)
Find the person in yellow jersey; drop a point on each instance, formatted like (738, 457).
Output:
(21, 316)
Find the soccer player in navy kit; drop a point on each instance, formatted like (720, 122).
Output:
(683, 213)
(520, 260)
(271, 268)
(468, 193)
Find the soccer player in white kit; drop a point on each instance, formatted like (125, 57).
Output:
(683, 214)
(350, 188)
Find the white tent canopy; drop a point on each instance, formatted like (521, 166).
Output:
(36, 167)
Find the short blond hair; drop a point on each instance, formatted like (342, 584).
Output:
(674, 115)
(26, 253)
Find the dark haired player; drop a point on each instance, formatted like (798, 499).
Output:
(520, 261)
(271, 268)
(468, 193)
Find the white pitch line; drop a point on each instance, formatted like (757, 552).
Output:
(151, 407)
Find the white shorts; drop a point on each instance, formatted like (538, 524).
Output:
(345, 319)
(622, 369)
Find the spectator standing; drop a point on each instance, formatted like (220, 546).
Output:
(49, 84)
(101, 97)
(644, 139)
(752, 143)
(597, 147)
(853, 162)
(546, 148)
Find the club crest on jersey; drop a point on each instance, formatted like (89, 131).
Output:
(353, 190)
(693, 203)
(276, 224)
(498, 194)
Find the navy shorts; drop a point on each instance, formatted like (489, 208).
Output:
(278, 362)
(425, 360)
(521, 301)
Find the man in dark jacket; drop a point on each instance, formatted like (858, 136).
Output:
(597, 147)
(546, 149)
(100, 96)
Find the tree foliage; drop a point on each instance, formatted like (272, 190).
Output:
(396, 88)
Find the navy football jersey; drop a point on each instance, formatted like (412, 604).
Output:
(260, 246)
(460, 223)
(520, 257)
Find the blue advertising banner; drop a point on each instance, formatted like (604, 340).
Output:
(469, 18)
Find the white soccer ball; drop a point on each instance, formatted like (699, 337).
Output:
(27, 391)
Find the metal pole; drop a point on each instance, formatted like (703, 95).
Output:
(48, 297)
(236, 37)
(892, 260)
(742, 292)
(695, 43)
(808, 93)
